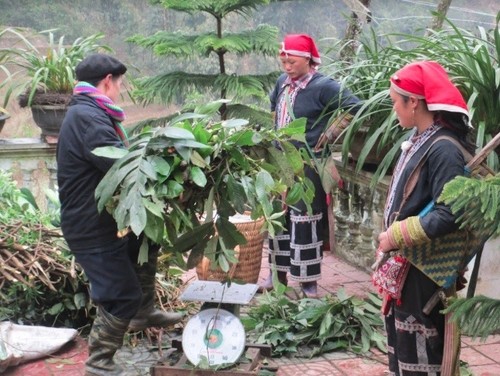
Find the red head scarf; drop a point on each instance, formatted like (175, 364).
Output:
(300, 45)
(428, 80)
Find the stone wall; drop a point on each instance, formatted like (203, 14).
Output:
(32, 164)
(358, 215)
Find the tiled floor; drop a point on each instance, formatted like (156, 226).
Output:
(483, 357)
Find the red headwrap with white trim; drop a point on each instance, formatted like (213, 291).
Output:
(300, 45)
(428, 80)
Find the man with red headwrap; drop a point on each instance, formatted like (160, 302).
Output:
(421, 340)
(302, 92)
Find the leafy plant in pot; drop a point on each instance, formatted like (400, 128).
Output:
(49, 73)
(471, 59)
(373, 135)
(3, 117)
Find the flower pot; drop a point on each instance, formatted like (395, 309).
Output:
(374, 157)
(3, 118)
(49, 118)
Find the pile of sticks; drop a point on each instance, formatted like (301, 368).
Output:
(40, 261)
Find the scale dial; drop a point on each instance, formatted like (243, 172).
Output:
(214, 334)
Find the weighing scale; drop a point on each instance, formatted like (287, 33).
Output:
(215, 335)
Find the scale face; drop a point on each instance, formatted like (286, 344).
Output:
(214, 334)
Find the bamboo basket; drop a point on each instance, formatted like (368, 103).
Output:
(249, 255)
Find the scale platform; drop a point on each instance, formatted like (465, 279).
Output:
(217, 292)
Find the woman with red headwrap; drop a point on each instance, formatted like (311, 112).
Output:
(302, 92)
(421, 340)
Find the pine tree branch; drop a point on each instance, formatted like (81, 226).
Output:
(165, 43)
(261, 41)
(175, 85)
(477, 316)
(218, 8)
(477, 201)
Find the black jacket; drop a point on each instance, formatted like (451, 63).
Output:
(317, 102)
(86, 126)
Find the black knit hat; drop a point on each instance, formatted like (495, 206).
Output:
(98, 66)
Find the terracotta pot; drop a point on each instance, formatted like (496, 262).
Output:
(3, 118)
(373, 158)
(49, 118)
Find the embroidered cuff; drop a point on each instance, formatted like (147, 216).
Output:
(338, 126)
(406, 233)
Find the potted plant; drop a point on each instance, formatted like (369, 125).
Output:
(3, 117)
(373, 133)
(471, 60)
(50, 74)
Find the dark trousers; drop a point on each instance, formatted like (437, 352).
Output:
(298, 249)
(415, 340)
(113, 281)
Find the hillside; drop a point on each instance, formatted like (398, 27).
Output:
(120, 19)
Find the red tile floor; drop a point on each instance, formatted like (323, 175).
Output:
(483, 357)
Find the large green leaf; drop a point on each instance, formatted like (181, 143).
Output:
(174, 189)
(239, 158)
(234, 123)
(188, 240)
(161, 166)
(176, 133)
(113, 178)
(110, 152)
(281, 162)
(296, 127)
(293, 157)
(236, 194)
(229, 233)
(197, 176)
(137, 213)
(245, 138)
(154, 228)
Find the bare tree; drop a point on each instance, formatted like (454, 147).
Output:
(440, 14)
(359, 16)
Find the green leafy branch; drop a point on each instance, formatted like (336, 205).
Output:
(476, 316)
(315, 326)
(477, 200)
(180, 184)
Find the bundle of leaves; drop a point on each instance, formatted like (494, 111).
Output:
(180, 183)
(310, 327)
(39, 282)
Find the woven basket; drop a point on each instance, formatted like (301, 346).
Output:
(249, 255)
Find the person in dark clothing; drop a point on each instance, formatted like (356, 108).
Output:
(303, 92)
(122, 289)
(422, 340)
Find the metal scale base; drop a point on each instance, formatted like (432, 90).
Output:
(216, 297)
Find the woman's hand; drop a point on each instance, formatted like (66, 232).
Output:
(384, 243)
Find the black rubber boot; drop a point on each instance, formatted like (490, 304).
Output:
(106, 337)
(310, 289)
(148, 316)
(267, 285)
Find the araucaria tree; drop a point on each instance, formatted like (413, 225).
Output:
(219, 46)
